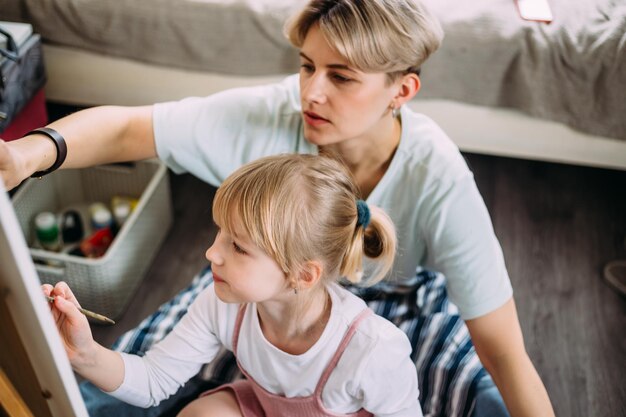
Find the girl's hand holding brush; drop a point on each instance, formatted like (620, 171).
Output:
(71, 323)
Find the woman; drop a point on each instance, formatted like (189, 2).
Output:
(360, 62)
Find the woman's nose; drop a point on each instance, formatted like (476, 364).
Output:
(313, 89)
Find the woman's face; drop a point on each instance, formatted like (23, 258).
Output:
(339, 102)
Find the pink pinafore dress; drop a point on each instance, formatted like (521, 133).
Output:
(256, 401)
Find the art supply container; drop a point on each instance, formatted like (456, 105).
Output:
(105, 284)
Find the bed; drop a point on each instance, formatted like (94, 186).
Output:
(499, 84)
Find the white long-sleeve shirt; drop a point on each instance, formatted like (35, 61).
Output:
(375, 371)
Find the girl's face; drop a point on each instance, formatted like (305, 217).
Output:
(338, 101)
(242, 272)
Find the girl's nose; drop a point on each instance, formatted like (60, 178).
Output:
(213, 256)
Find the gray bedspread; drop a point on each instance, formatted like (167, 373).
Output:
(572, 70)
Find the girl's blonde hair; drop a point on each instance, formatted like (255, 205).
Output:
(300, 208)
(390, 36)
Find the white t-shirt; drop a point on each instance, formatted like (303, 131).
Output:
(375, 371)
(428, 190)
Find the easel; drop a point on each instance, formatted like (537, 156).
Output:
(18, 374)
(10, 401)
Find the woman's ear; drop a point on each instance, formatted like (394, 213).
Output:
(310, 275)
(409, 86)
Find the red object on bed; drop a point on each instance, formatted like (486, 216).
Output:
(32, 116)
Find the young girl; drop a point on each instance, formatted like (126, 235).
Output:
(290, 227)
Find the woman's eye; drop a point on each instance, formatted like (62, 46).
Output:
(238, 249)
(307, 67)
(340, 78)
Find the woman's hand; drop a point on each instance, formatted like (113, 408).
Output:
(72, 325)
(11, 166)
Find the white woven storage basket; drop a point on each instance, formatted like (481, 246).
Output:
(104, 285)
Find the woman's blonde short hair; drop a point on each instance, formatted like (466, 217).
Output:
(390, 36)
(300, 208)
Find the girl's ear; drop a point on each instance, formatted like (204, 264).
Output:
(409, 86)
(310, 275)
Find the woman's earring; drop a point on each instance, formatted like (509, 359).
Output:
(395, 111)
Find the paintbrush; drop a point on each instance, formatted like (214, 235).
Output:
(88, 313)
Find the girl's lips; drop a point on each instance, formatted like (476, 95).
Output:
(314, 119)
(216, 278)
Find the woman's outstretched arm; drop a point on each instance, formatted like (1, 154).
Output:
(94, 136)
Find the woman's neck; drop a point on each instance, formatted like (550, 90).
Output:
(295, 326)
(368, 157)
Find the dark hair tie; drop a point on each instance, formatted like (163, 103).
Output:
(363, 214)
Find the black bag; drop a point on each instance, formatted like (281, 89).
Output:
(22, 75)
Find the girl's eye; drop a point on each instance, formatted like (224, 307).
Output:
(238, 249)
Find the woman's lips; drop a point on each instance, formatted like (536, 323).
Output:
(314, 119)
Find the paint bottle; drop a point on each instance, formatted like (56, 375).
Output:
(121, 211)
(47, 231)
(71, 227)
(101, 216)
(96, 245)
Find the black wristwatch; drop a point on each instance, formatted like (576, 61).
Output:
(60, 145)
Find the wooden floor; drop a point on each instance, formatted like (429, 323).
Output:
(557, 224)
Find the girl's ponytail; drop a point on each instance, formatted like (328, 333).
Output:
(376, 239)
